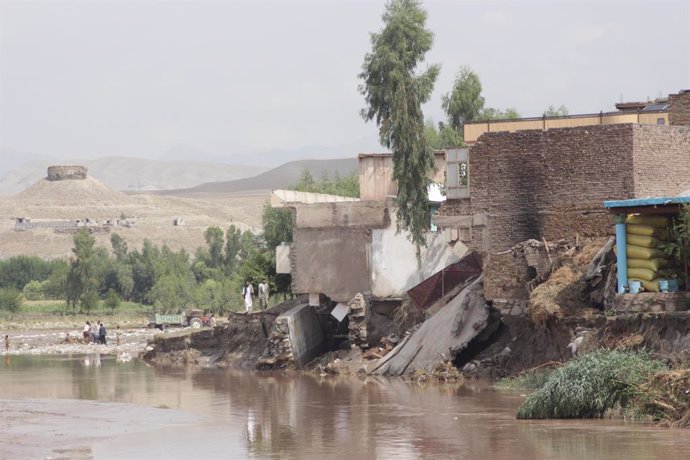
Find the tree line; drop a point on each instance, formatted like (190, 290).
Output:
(169, 280)
(156, 275)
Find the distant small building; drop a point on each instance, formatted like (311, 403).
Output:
(178, 222)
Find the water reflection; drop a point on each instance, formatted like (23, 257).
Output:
(302, 416)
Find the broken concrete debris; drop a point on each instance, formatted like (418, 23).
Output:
(441, 337)
(357, 327)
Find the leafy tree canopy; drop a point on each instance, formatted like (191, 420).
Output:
(552, 111)
(394, 92)
(465, 101)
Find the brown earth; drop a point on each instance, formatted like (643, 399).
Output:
(89, 198)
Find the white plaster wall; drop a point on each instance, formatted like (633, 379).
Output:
(394, 262)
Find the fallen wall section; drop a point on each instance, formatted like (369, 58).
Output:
(441, 337)
(307, 338)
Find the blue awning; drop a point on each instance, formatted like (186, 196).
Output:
(661, 201)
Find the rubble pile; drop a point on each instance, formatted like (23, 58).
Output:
(278, 353)
(386, 345)
(357, 332)
(444, 336)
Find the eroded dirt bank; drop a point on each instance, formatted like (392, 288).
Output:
(237, 344)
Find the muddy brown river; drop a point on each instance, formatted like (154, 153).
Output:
(92, 406)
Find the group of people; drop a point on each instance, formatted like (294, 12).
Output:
(94, 333)
(248, 295)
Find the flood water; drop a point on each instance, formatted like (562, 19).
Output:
(277, 415)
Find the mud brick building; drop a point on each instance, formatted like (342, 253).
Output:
(551, 184)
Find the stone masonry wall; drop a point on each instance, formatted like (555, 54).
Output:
(71, 172)
(661, 156)
(679, 108)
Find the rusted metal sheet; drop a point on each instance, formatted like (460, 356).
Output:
(437, 285)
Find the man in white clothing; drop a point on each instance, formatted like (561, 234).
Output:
(247, 292)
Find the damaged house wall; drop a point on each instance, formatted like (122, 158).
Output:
(341, 249)
(329, 252)
(393, 260)
(551, 184)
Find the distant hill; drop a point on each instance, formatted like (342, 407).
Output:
(132, 174)
(274, 158)
(283, 176)
(70, 193)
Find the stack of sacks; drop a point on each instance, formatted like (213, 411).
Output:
(645, 259)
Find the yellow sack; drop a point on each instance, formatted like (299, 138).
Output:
(641, 274)
(645, 230)
(649, 286)
(653, 221)
(651, 264)
(645, 241)
(639, 252)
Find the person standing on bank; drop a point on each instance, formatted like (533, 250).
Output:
(247, 292)
(263, 294)
(101, 334)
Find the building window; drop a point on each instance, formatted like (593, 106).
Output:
(660, 121)
(458, 173)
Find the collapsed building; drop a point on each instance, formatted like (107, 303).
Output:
(516, 203)
(518, 198)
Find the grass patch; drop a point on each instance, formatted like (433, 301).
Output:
(591, 385)
(60, 307)
(530, 380)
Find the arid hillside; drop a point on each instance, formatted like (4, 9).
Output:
(131, 174)
(153, 216)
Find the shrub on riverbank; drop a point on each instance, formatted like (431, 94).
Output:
(10, 299)
(666, 398)
(591, 385)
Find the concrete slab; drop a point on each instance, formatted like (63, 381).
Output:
(306, 336)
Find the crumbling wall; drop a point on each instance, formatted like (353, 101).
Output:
(66, 172)
(357, 326)
(330, 246)
(516, 271)
(331, 260)
(661, 156)
(679, 108)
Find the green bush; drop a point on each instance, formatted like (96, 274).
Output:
(33, 290)
(10, 299)
(112, 300)
(589, 386)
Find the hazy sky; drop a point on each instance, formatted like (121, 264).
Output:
(96, 78)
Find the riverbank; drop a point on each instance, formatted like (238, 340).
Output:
(67, 340)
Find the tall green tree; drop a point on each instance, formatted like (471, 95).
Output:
(233, 235)
(83, 280)
(465, 101)
(394, 92)
(214, 239)
(277, 225)
(442, 137)
(119, 246)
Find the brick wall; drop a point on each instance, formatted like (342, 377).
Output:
(552, 184)
(661, 156)
(535, 184)
(679, 108)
